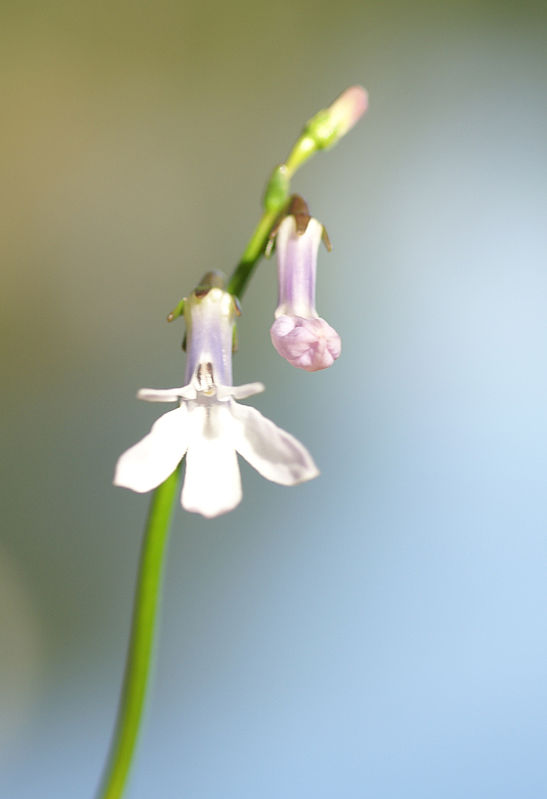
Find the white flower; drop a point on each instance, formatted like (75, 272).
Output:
(209, 426)
(298, 332)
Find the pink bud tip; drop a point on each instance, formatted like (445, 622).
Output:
(348, 108)
(309, 344)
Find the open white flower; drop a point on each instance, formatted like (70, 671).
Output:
(209, 426)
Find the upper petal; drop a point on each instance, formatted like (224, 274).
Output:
(166, 394)
(273, 452)
(240, 392)
(212, 483)
(148, 463)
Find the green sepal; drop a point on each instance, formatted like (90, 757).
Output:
(177, 311)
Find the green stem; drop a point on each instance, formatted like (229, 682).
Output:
(304, 148)
(253, 252)
(141, 644)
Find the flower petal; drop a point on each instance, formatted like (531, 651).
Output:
(273, 452)
(166, 394)
(148, 463)
(212, 483)
(240, 392)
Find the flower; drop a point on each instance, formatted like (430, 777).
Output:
(298, 332)
(209, 426)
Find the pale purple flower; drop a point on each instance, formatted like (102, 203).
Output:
(298, 332)
(209, 426)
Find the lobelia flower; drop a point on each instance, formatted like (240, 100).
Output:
(298, 333)
(208, 425)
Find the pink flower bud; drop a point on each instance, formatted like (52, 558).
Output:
(309, 344)
(348, 109)
(298, 333)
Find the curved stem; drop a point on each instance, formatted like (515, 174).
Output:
(253, 252)
(304, 148)
(149, 578)
(141, 643)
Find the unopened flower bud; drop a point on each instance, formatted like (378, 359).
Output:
(298, 333)
(310, 344)
(328, 126)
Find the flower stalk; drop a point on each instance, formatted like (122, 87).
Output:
(321, 132)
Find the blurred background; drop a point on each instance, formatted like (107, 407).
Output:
(380, 632)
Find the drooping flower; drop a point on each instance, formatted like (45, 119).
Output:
(298, 332)
(209, 426)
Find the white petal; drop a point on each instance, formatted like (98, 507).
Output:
(212, 483)
(161, 394)
(273, 452)
(240, 392)
(157, 455)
